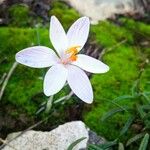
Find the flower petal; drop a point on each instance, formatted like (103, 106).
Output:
(78, 33)
(58, 36)
(37, 57)
(55, 79)
(90, 64)
(80, 84)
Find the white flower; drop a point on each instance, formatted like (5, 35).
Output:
(67, 63)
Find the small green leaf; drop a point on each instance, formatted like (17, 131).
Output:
(135, 138)
(127, 125)
(144, 142)
(71, 146)
(120, 146)
(111, 113)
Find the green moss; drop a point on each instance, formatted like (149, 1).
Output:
(64, 13)
(136, 27)
(26, 82)
(118, 81)
(20, 15)
(108, 34)
(25, 88)
(124, 61)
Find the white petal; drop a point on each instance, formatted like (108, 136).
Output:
(80, 84)
(37, 57)
(78, 33)
(55, 79)
(90, 64)
(58, 36)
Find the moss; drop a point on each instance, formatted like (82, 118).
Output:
(108, 34)
(136, 27)
(64, 13)
(25, 83)
(118, 81)
(124, 61)
(19, 15)
(25, 88)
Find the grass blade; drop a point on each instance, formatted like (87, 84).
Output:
(120, 147)
(123, 97)
(144, 143)
(146, 97)
(134, 88)
(135, 138)
(94, 147)
(111, 113)
(71, 146)
(127, 125)
(140, 111)
(104, 146)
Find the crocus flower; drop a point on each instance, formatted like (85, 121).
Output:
(66, 64)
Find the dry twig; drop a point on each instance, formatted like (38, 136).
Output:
(110, 49)
(5, 143)
(7, 79)
(63, 98)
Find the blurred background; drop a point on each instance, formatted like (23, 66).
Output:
(119, 36)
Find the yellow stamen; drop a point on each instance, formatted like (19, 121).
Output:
(73, 51)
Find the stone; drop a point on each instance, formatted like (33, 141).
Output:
(95, 139)
(57, 139)
(1, 1)
(102, 9)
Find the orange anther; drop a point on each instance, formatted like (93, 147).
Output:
(73, 51)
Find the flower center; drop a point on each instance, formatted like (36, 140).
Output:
(72, 51)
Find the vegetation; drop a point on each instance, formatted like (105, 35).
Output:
(125, 61)
(64, 13)
(126, 46)
(20, 15)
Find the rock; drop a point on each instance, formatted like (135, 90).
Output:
(95, 139)
(1, 1)
(41, 8)
(103, 9)
(57, 139)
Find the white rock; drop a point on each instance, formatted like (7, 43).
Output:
(1, 1)
(57, 139)
(103, 9)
